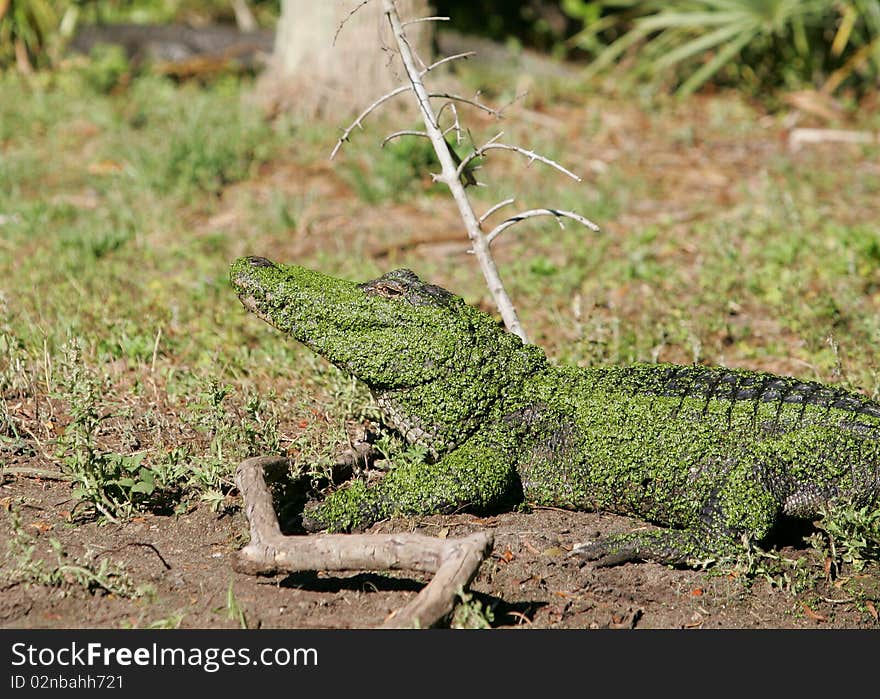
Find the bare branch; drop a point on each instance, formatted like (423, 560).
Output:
(458, 98)
(456, 125)
(477, 152)
(516, 98)
(499, 205)
(435, 64)
(531, 155)
(244, 18)
(558, 214)
(363, 115)
(450, 177)
(404, 39)
(424, 19)
(799, 137)
(346, 18)
(398, 134)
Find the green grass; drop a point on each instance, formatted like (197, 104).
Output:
(126, 359)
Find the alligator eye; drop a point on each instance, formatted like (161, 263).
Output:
(389, 290)
(259, 262)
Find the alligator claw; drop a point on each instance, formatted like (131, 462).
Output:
(601, 555)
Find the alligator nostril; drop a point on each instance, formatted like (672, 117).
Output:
(260, 262)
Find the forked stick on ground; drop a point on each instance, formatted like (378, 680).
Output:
(454, 562)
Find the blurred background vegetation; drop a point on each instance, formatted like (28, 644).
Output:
(682, 45)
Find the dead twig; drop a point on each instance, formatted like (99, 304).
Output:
(357, 123)
(424, 19)
(447, 59)
(398, 134)
(348, 17)
(557, 213)
(454, 562)
(531, 155)
(499, 205)
(28, 472)
(497, 113)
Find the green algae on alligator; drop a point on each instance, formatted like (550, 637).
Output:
(715, 456)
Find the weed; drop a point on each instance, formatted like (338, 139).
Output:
(792, 575)
(470, 613)
(233, 432)
(234, 612)
(397, 452)
(172, 621)
(59, 570)
(108, 67)
(845, 544)
(848, 536)
(26, 31)
(216, 142)
(754, 44)
(113, 484)
(15, 374)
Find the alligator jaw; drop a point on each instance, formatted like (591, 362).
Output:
(249, 302)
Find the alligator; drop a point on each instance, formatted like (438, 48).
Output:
(714, 457)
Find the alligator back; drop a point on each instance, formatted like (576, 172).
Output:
(767, 401)
(663, 442)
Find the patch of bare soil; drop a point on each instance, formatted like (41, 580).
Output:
(528, 581)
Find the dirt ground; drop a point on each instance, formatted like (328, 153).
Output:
(528, 581)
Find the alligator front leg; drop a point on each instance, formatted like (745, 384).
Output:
(477, 475)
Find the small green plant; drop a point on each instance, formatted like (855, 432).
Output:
(470, 613)
(82, 459)
(212, 146)
(108, 67)
(14, 381)
(59, 570)
(792, 575)
(234, 612)
(172, 621)
(849, 535)
(113, 484)
(15, 374)
(847, 540)
(234, 433)
(398, 452)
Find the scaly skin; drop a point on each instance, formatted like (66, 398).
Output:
(713, 455)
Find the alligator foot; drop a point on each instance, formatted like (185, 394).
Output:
(668, 546)
(602, 553)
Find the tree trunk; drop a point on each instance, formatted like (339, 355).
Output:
(313, 75)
